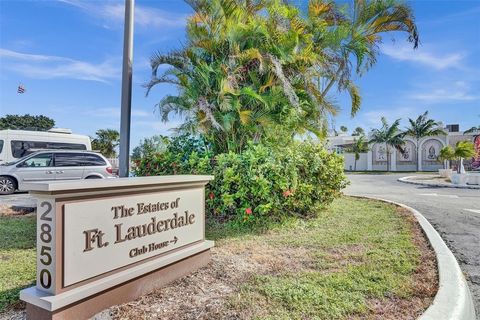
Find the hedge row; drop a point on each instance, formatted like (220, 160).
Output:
(258, 183)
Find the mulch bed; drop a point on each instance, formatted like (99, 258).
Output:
(8, 210)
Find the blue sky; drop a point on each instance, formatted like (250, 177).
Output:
(68, 55)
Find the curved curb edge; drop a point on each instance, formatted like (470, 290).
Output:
(453, 300)
(435, 185)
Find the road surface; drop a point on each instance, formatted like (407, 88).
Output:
(454, 213)
(20, 199)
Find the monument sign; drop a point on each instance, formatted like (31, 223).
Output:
(97, 240)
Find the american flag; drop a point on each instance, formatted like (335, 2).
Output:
(21, 89)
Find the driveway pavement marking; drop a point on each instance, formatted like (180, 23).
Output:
(472, 210)
(439, 195)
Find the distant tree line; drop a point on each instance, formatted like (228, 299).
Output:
(26, 122)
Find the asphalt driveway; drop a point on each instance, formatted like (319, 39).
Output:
(454, 213)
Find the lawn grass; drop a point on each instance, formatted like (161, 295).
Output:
(355, 252)
(358, 259)
(17, 257)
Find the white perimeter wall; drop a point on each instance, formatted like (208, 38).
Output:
(350, 161)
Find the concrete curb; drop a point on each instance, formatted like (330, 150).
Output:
(436, 185)
(453, 300)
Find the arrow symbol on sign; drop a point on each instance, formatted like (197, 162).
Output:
(175, 239)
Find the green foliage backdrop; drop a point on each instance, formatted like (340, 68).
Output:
(252, 77)
(260, 184)
(26, 122)
(263, 70)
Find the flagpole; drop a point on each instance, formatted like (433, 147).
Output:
(126, 108)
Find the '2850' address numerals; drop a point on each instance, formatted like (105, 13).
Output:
(46, 249)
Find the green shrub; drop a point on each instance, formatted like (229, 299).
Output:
(259, 184)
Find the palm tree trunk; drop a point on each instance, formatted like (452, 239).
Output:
(355, 165)
(332, 81)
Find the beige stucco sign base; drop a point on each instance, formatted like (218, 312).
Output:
(105, 242)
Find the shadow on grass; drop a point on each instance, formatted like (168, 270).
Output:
(9, 299)
(215, 230)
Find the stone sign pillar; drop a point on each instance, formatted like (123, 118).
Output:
(105, 242)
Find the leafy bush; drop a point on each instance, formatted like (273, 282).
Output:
(184, 154)
(258, 184)
(148, 146)
(187, 144)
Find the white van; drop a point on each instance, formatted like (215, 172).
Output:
(15, 144)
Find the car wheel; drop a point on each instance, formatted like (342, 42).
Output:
(7, 185)
(93, 177)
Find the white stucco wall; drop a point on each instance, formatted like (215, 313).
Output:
(350, 162)
(370, 160)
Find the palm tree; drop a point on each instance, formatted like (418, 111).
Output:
(423, 127)
(106, 141)
(446, 154)
(232, 75)
(251, 69)
(392, 136)
(360, 32)
(472, 130)
(358, 131)
(150, 146)
(360, 145)
(463, 149)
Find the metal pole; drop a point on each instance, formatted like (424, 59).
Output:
(126, 109)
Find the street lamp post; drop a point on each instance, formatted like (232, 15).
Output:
(126, 108)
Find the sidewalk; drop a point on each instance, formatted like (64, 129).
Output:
(19, 202)
(432, 180)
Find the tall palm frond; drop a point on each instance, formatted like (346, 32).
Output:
(390, 135)
(250, 68)
(472, 130)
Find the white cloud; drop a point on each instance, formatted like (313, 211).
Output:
(456, 91)
(113, 13)
(444, 95)
(141, 113)
(423, 55)
(455, 17)
(158, 126)
(49, 67)
(372, 118)
(28, 57)
(157, 18)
